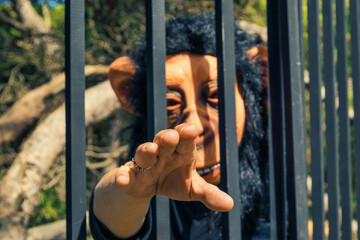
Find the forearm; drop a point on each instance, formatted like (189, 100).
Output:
(122, 214)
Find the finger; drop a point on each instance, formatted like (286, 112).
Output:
(124, 175)
(167, 141)
(211, 196)
(145, 156)
(187, 142)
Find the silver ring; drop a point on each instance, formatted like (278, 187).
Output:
(137, 168)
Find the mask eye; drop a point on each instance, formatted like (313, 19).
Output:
(173, 105)
(211, 94)
(173, 101)
(213, 97)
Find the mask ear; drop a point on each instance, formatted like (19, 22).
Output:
(121, 72)
(259, 54)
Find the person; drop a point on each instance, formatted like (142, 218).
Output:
(183, 161)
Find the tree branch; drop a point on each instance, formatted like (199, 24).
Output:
(12, 22)
(20, 187)
(113, 155)
(27, 110)
(30, 17)
(42, 34)
(51, 231)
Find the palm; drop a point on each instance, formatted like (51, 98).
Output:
(171, 158)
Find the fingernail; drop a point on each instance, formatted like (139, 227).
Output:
(151, 147)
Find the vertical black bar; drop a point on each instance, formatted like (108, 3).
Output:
(156, 100)
(301, 92)
(294, 120)
(344, 124)
(302, 53)
(331, 127)
(316, 132)
(355, 60)
(276, 125)
(75, 120)
(227, 121)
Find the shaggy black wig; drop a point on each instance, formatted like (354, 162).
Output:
(196, 34)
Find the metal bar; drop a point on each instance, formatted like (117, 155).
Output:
(330, 109)
(294, 120)
(75, 120)
(302, 66)
(276, 125)
(302, 52)
(156, 98)
(302, 84)
(355, 60)
(316, 132)
(344, 124)
(227, 118)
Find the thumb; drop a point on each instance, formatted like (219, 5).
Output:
(211, 196)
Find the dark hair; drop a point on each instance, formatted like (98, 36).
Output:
(196, 34)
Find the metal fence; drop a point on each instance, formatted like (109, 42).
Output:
(287, 115)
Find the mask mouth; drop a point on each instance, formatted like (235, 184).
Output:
(207, 170)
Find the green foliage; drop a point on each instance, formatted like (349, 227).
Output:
(51, 208)
(253, 11)
(15, 33)
(112, 28)
(57, 15)
(22, 63)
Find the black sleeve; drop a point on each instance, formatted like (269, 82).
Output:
(100, 232)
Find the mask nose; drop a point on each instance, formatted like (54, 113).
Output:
(194, 117)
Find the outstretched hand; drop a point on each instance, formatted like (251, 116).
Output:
(170, 160)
